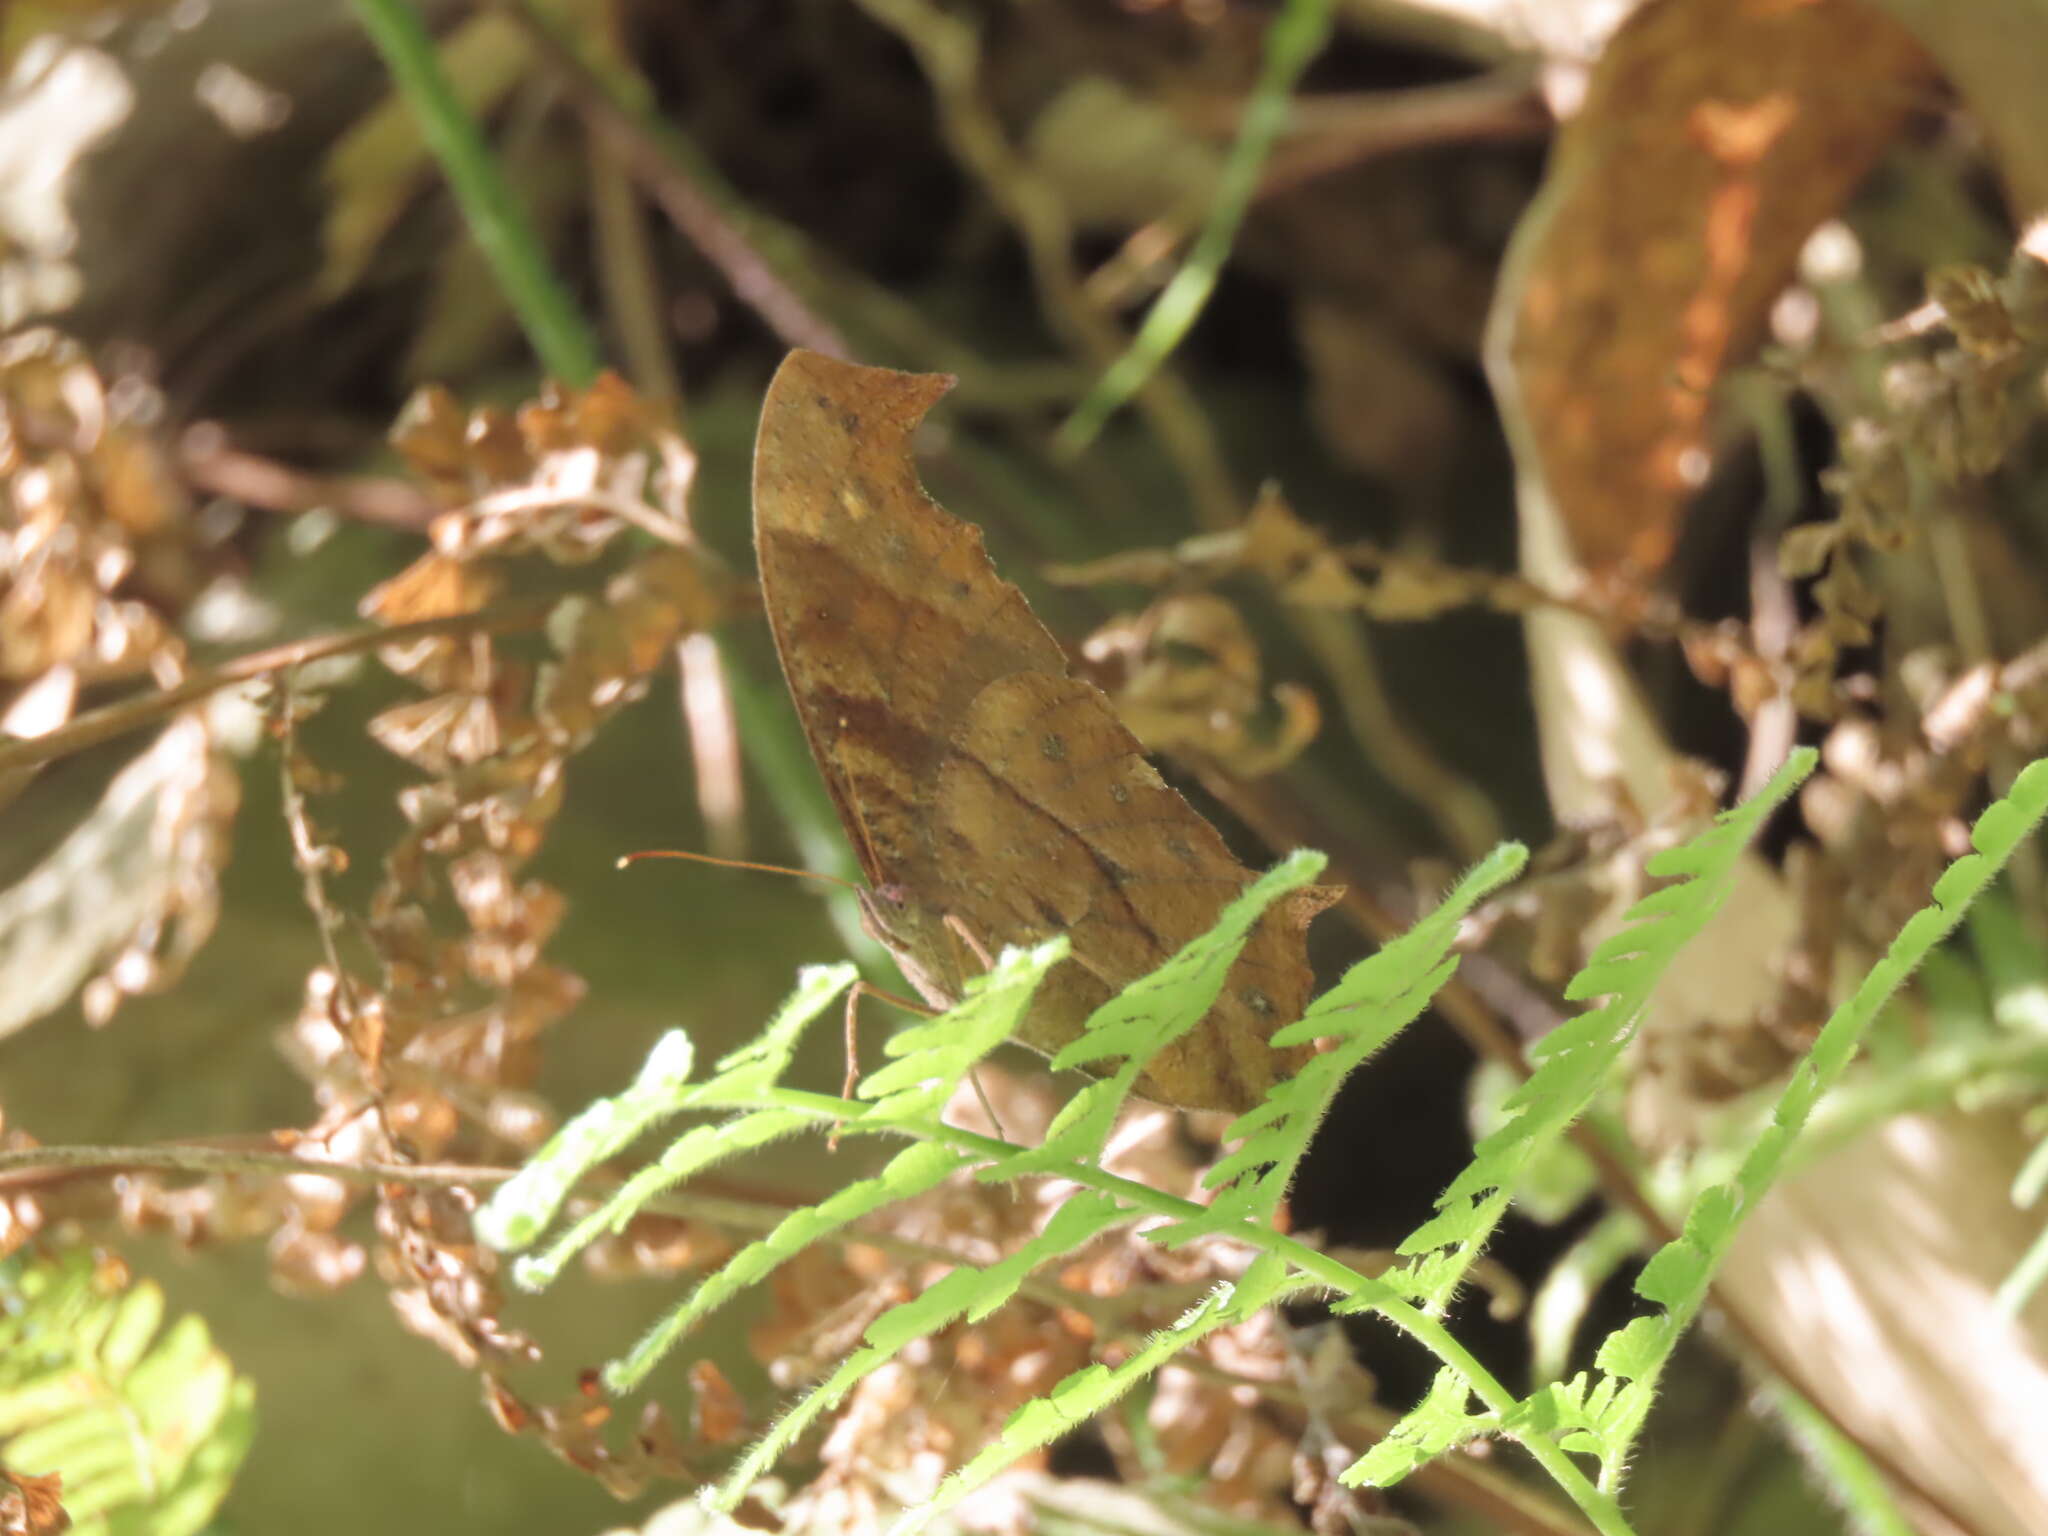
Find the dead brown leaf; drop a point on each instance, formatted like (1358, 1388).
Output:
(1714, 137)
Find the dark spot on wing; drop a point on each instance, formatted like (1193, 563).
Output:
(1054, 748)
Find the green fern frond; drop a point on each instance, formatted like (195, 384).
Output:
(147, 1427)
(1597, 1413)
(931, 1060)
(1157, 1009)
(934, 1058)
(917, 1170)
(1572, 1063)
(1147, 1016)
(1575, 1059)
(968, 1292)
(1678, 1275)
(1375, 1000)
(905, 1095)
(690, 1154)
(1088, 1391)
(528, 1201)
(1437, 1424)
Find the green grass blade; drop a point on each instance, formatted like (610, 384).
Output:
(496, 222)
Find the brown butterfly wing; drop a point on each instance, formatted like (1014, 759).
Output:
(974, 777)
(1076, 832)
(887, 613)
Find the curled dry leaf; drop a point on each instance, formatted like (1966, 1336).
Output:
(978, 781)
(32, 1505)
(1185, 678)
(1713, 138)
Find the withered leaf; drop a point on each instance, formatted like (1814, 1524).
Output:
(32, 1505)
(977, 780)
(1713, 138)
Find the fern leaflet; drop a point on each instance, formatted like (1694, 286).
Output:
(1090, 1390)
(147, 1427)
(1374, 1001)
(1146, 1017)
(1575, 1059)
(1611, 1411)
(528, 1201)
(968, 1292)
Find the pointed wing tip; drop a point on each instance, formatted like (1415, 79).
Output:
(856, 383)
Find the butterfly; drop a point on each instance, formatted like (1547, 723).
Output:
(990, 795)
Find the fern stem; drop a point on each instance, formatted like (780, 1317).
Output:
(95, 726)
(1601, 1508)
(1596, 1504)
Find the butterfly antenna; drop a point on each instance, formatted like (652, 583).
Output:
(705, 858)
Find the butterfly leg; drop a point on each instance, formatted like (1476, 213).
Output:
(859, 990)
(958, 927)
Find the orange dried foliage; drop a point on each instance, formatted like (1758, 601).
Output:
(1713, 138)
(32, 1505)
(434, 1056)
(100, 552)
(99, 556)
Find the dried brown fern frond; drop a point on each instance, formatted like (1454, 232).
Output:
(100, 556)
(430, 1051)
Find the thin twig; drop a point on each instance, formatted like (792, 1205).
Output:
(531, 499)
(311, 860)
(628, 283)
(1293, 40)
(26, 1167)
(949, 50)
(815, 295)
(131, 714)
(1333, 133)
(209, 464)
(613, 103)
